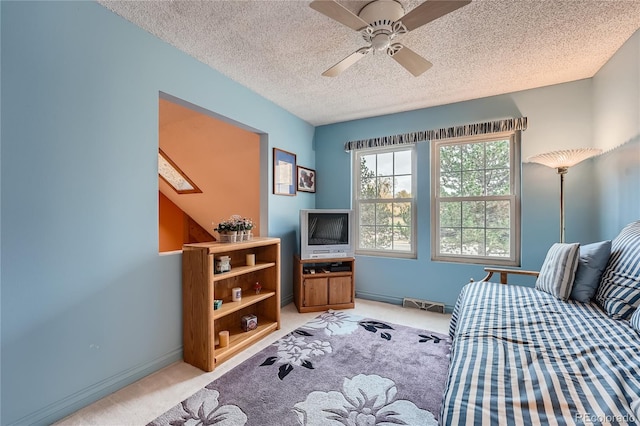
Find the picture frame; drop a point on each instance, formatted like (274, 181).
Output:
(306, 179)
(284, 167)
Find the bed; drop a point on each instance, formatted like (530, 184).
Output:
(522, 356)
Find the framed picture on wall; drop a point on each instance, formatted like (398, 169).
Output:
(284, 168)
(306, 179)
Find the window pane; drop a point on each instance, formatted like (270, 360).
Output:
(451, 214)
(368, 162)
(402, 187)
(385, 187)
(498, 182)
(450, 240)
(473, 214)
(367, 214)
(368, 188)
(472, 156)
(498, 155)
(473, 183)
(384, 237)
(384, 215)
(402, 238)
(402, 214)
(473, 242)
(498, 214)
(367, 237)
(450, 184)
(385, 164)
(450, 158)
(403, 163)
(498, 243)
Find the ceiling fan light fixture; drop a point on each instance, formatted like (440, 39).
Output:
(381, 41)
(379, 22)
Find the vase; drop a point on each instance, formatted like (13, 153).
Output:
(228, 236)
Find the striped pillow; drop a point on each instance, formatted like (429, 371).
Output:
(619, 290)
(558, 270)
(635, 320)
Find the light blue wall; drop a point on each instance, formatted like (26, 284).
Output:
(559, 116)
(617, 124)
(87, 304)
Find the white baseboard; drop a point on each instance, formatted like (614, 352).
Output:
(72, 403)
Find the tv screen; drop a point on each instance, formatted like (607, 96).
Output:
(328, 228)
(326, 233)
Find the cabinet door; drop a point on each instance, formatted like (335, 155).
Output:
(340, 290)
(316, 292)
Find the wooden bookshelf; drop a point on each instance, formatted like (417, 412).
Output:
(201, 286)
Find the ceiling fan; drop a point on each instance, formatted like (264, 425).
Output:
(380, 22)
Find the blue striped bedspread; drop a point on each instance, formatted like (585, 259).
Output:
(522, 357)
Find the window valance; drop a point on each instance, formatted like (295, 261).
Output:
(499, 126)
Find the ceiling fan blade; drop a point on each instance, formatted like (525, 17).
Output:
(339, 13)
(429, 11)
(409, 59)
(346, 62)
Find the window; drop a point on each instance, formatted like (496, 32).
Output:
(384, 201)
(176, 178)
(476, 199)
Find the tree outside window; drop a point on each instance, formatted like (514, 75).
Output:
(385, 201)
(476, 200)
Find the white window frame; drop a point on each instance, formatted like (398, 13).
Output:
(413, 252)
(514, 198)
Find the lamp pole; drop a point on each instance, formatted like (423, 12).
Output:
(561, 161)
(562, 171)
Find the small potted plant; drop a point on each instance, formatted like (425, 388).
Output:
(228, 230)
(247, 226)
(235, 229)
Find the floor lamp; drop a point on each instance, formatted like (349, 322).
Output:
(561, 161)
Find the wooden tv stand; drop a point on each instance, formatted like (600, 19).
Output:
(321, 284)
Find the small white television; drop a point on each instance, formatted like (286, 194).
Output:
(326, 233)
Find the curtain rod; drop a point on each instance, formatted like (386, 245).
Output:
(498, 126)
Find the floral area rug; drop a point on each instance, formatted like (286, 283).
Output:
(338, 369)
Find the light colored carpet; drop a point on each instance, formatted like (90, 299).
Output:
(146, 399)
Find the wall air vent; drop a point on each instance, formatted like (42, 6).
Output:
(423, 305)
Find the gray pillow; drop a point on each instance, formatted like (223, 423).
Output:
(559, 270)
(593, 259)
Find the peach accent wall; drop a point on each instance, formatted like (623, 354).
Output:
(171, 225)
(222, 159)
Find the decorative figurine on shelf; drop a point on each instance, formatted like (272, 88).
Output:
(257, 287)
(223, 264)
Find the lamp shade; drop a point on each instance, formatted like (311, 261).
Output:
(564, 158)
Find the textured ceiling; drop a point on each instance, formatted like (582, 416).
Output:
(280, 48)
